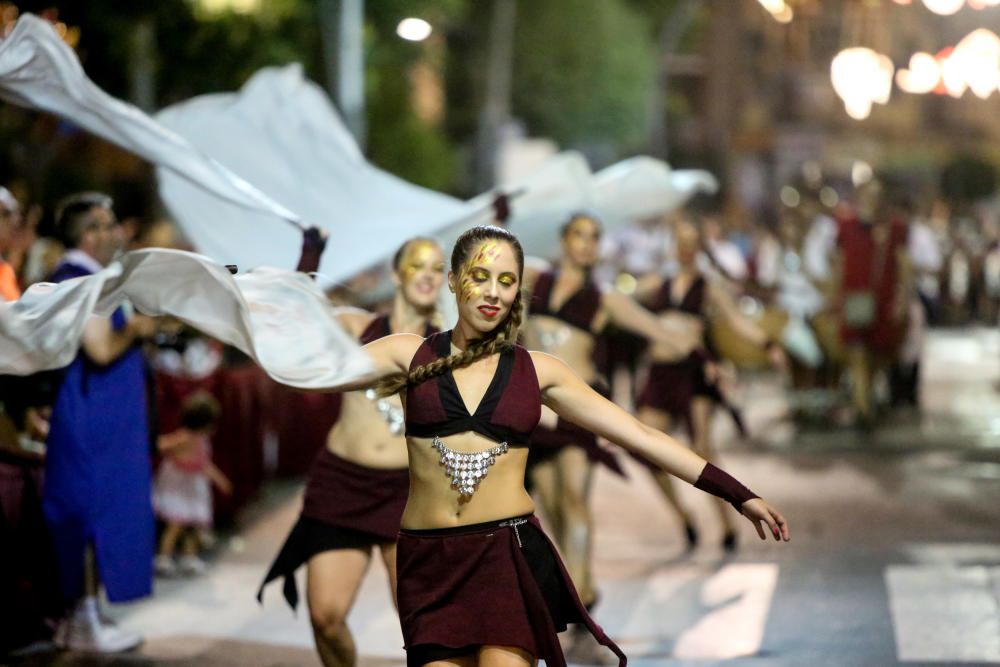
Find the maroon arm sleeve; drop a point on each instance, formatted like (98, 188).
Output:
(313, 244)
(722, 484)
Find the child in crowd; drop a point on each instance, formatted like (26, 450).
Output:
(182, 492)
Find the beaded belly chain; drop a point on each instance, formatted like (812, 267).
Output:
(392, 414)
(467, 470)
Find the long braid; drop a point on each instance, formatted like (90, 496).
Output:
(503, 337)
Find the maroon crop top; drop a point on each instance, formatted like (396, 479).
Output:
(693, 302)
(379, 328)
(579, 310)
(509, 411)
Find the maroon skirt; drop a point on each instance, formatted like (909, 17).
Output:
(670, 387)
(346, 506)
(499, 583)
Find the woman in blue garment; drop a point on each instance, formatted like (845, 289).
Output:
(97, 477)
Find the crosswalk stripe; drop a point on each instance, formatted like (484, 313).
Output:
(741, 594)
(945, 612)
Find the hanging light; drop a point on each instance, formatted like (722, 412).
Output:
(861, 77)
(778, 9)
(944, 7)
(977, 61)
(923, 75)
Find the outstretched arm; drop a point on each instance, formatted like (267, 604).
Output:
(726, 307)
(571, 398)
(629, 315)
(389, 355)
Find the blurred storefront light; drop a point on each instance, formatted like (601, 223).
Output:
(861, 77)
(413, 29)
(790, 196)
(829, 197)
(861, 173)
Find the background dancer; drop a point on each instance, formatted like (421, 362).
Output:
(359, 481)
(686, 386)
(97, 466)
(478, 582)
(566, 312)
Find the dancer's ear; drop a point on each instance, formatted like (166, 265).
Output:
(451, 282)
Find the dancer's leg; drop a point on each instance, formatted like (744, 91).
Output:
(388, 552)
(701, 426)
(665, 481)
(333, 579)
(504, 656)
(575, 472)
(545, 489)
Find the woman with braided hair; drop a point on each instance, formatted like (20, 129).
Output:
(478, 581)
(358, 483)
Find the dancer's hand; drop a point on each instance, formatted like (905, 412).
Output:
(757, 510)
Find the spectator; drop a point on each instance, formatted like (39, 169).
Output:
(97, 474)
(182, 493)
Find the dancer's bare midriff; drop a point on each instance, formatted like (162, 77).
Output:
(362, 435)
(435, 503)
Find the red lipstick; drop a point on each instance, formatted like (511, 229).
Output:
(489, 311)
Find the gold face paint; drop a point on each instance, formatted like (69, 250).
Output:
(419, 255)
(473, 275)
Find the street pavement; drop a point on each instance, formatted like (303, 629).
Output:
(894, 558)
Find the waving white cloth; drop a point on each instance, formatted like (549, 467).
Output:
(642, 187)
(281, 133)
(39, 71)
(279, 318)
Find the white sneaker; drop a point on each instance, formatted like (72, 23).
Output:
(164, 566)
(83, 631)
(191, 565)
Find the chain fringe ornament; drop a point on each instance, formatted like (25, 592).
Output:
(393, 415)
(467, 470)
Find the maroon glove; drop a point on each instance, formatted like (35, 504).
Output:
(313, 243)
(722, 484)
(501, 208)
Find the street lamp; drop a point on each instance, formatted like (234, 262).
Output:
(413, 29)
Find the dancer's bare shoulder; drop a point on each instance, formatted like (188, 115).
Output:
(395, 351)
(354, 320)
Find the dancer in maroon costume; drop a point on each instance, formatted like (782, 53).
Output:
(478, 581)
(566, 312)
(685, 386)
(358, 485)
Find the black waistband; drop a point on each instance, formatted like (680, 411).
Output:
(464, 530)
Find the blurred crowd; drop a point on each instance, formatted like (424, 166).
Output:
(846, 287)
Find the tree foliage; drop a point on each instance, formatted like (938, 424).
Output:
(583, 71)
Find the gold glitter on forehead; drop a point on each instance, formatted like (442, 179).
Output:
(417, 255)
(421, 249)
(488, 253)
